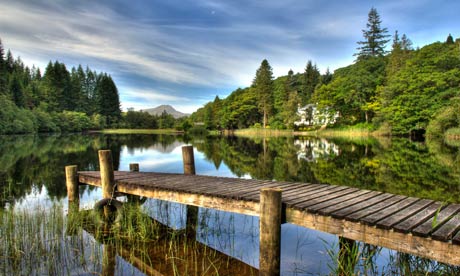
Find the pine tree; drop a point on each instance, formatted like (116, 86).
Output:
(375, 37)
(311, 79)
(16, 92)
(108, 99)
(263, 84)
(450, 39)
(3, 71)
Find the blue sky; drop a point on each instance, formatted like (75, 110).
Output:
(185, 52)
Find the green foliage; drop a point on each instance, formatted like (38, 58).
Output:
(448, 117)
(427, 82)
(140, 120)
(14, 119)
(263, 86)
(58, 101)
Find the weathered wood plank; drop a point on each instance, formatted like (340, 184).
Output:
(437, 220)
(346, 204)
(418, 218)
(404, 214)
(415, 245)
(343, 200)
(327, 200)
(388, 211)
(447, 230)
(356, 216)
(294, 203)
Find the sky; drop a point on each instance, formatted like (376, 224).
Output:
(185, 52)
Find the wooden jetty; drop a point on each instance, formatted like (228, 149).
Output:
(421, 227)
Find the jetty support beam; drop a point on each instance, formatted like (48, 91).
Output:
(192, 211)
(72, 187)
(270, 232)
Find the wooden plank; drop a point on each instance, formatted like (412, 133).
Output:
(418, 218)
(342, 213)
(304, 191)
(329, 199)
(224, 204)
(315, 194)
(436, 220)
(402, 215)
(427, 248)
(456, 238)
(343, 200)
(360, 213)
(447, 230)
(388, 211)
(345, 204)
(284, 187)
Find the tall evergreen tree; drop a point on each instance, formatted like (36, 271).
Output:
(108, 99)
(3, 71)
(263, 84)
(17, 92)
(375, 37)
(450, 39)
(311, 79)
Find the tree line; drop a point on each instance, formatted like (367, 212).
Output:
(398, 92)
(63, 100)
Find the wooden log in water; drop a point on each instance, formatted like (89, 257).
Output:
(107, 175)
(270, 231)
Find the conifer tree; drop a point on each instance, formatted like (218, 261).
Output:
(375, 37)
(450, 39)
(311, 79)
(263, 84)
(3, 72)
(108, 99)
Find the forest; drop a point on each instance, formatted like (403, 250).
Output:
(396, 92)
(62, 100)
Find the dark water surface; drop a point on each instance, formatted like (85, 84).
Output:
(32, 174)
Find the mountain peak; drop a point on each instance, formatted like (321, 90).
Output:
(165, 108)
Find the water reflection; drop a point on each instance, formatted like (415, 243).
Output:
(312, 149)
(32, 172)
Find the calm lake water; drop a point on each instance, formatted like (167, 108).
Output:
(32, 174)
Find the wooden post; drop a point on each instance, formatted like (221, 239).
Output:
(134, 167)
(270, 231)
(192, 211)
(107, 175)
(72, 187)
(188, 159)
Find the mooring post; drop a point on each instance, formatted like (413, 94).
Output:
(188, 159)
(133, 167)
(72, 187)
(107, 175)
(192, 211)
(270, 231)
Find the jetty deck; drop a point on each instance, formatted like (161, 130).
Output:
(416, 226)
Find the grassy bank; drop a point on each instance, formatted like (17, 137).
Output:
(140, 131)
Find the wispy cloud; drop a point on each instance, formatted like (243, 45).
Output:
(195, 49)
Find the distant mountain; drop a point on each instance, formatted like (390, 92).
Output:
(169, 109)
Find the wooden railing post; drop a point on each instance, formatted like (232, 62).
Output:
(270, 231)
(72, 187)
(192, 211)
(107, 175)
(133, 167)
